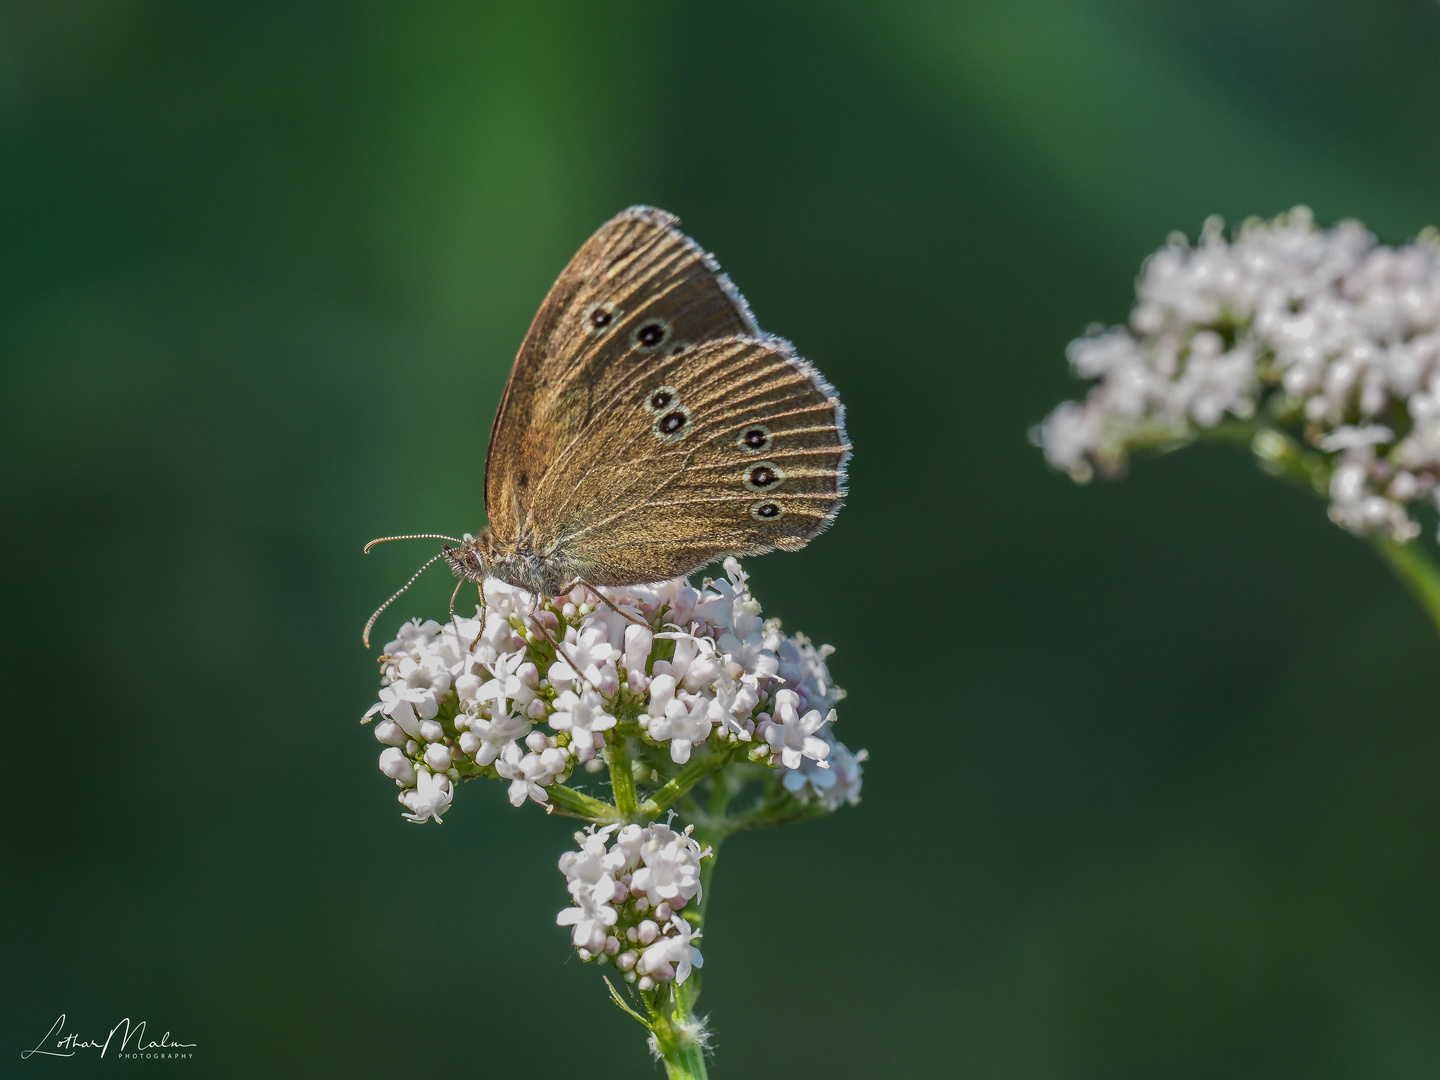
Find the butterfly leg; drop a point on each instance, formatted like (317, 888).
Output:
(484, 613)
(453, 621)
(559, 647)
(609, 603)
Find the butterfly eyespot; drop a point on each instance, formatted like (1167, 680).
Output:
(768, 510)
(661, 398)
(675, 424)
(764, 476)
(755, 438)
(599, 317)
(650, 335)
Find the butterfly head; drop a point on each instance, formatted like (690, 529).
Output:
(472, 557)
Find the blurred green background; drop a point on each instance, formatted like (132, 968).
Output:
(1153, 790)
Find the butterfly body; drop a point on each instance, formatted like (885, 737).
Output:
(649, 427)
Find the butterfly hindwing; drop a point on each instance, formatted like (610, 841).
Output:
(735, 447)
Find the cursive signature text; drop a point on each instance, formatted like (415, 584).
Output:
(68, 1045)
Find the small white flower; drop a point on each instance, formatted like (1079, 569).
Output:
(671, 867)
(496, 736)
(803, 668)
(1349, 437)
(793, 736)
(639, 640)
(834, 786)
(512, 689)
(719, 608)
(390, 733)
(589, 869)
(590, 649)
(749, 651)
(498, 640)
(686, 722)
(529, 774)
(396, 765)
(683, 953)
(591, 918)
(672, 956)
(458, 639)
(400, 704)
(662, 692)
(583, 716)
(429, 798)
(625, 853)
(437, 756)
(417, 691)
(677, 596)
(735, 701)
(695, 663)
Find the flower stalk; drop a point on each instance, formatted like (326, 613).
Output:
(680, 784)
(1417, 570)
(678, 1036)
(568, 802)
(622, 776)
(1283, 456)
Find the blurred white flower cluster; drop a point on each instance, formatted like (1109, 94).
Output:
(1326, 334)
(530, 695)
(629, 885)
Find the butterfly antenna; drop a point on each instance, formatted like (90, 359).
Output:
(365, 634)
(412, 536)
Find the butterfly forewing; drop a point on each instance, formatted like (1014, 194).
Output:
(639, 290)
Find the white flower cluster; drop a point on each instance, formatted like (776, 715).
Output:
(629, 886)
(1326, 331)
(531, 693)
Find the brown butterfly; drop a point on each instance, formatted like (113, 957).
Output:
(649, 427)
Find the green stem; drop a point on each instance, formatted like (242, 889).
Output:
(672, 1017)
(774, 813)
(672, 1021)
(571, 803)
(1280, 455)
(622, 777)
(1286, 457)
(695, 770)
(1417, 570)
(711, 832)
